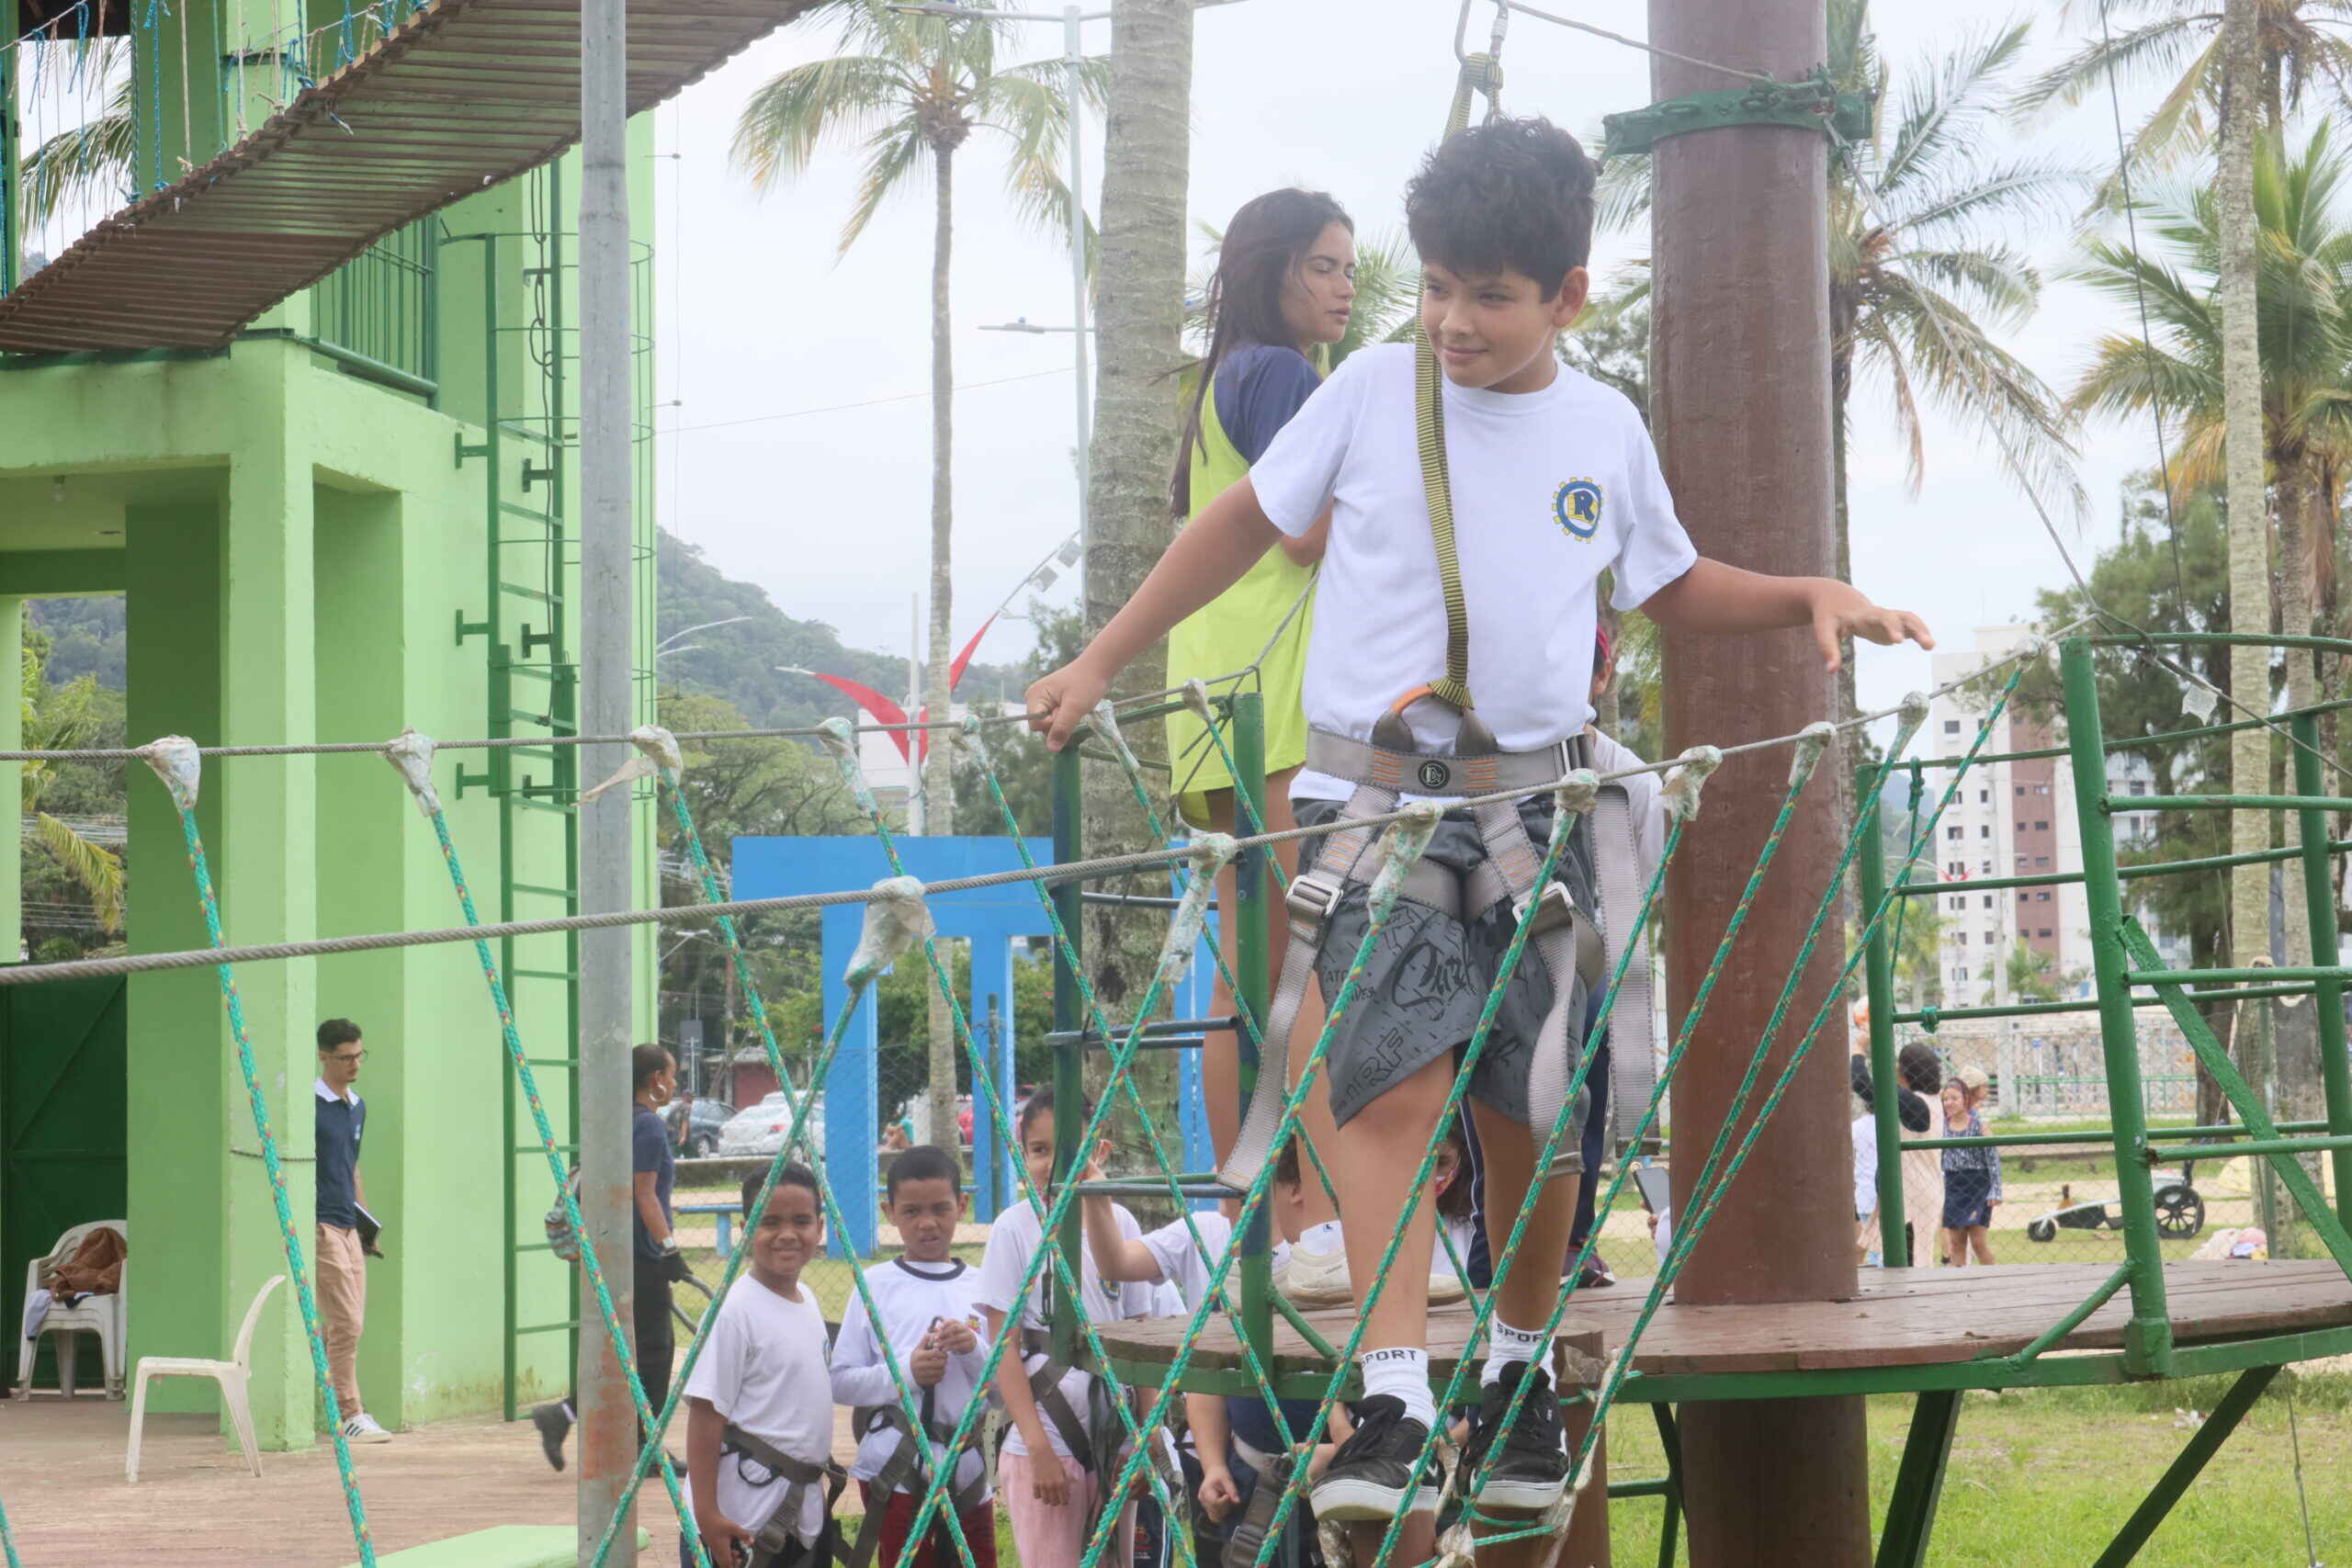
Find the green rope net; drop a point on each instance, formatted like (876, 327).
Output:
(1198, 862)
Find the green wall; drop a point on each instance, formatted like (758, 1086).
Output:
(297, 547)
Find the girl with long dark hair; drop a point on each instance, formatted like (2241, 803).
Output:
(1284, 289)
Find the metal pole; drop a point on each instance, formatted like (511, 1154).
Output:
(607, 1420)
(2319, 895)
(2147, 1341)
(1252, 972)
(1069, 1014)
(1878, 986)
(1775, 1482)
(1073, 57)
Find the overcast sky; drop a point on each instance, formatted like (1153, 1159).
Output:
(829, 511)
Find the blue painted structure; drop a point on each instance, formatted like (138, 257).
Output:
(990, 919)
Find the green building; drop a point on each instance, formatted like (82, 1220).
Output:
(358, 516)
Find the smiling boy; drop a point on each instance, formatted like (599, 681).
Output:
(759, 1406)
(1553, 481)
(926, 1298)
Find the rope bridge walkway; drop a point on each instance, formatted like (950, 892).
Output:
(1247, 1340)
(422, 104)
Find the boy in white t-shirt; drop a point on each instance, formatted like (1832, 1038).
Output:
(927, 1298)
(1553, 481)
(759, 1406)
(1047, 1472)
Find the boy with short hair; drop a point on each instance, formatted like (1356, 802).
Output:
(930, 1318)
(759, 1406)
(1553, 480)
(340, 1119)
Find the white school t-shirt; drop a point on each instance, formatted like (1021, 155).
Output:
(1550, 488)
(1013, 1242)
(910, 1297)
(1182, 1266)
(763, 1369)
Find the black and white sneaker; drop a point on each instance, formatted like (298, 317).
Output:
(1530, 1458)
(1373, 1475)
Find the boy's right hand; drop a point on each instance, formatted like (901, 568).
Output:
(1219, 1495)
(929, 1363)
(1060, 702)
(728, 1543)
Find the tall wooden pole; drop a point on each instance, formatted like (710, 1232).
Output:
(1740, 405)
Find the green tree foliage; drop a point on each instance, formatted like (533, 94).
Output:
(85, 637)
(74, 888)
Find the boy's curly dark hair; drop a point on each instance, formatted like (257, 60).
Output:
(1515, 194)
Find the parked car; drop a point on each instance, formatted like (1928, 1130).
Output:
(702, 1136)
(760, 1129)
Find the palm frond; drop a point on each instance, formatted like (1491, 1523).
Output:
(791, 115)
(2024, 188)
(1942, 108)
(2160, 45)
(96, 869)
(2127, 375)
(87, 164)
(2003, 285)
(1388, 289)
(894, 154)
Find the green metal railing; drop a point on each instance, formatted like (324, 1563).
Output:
(379, 312)
(2131, 976)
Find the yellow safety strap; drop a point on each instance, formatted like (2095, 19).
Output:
(1480, 73)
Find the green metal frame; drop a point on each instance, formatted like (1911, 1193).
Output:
(2124, 960)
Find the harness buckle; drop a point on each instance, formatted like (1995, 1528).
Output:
(1314, 898)
(1553, 909)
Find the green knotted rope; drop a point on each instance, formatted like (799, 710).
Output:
(623, 1347)
(756, 1004)
(8, 1542)
(184, 799)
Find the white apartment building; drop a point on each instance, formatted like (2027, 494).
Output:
(2012, 819)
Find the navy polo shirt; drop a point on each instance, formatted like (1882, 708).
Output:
(340, 1123)
(650, 1152)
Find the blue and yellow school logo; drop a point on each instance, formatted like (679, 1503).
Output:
(1575, 507)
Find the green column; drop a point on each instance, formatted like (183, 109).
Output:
(2319, 893)
(180, 1069)
(2147, 1346)
(12, 735)
(265, 857)
(1253, 886)
(1878, 985)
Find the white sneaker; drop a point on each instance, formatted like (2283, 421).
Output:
(1445, 1285)
(1315, 1278)
(363, 1428)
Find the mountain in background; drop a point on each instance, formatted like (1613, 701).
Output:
(737, 662)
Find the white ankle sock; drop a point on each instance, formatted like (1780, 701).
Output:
(1324, 1237)
(1404, 1373)
(1506, 1345)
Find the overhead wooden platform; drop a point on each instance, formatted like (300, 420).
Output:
(463, 94)
(1899, 1319)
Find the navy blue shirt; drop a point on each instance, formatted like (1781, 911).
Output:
(1259, 387)
(340, 1122)
(650, 1150)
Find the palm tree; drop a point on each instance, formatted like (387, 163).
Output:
(2303, 50)
(61, 718)
(2304, 332)
(1916, 288)
(90, 160)
(906, 94)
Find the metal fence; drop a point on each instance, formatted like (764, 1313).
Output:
(381, 307)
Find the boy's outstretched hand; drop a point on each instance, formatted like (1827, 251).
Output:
(1060, 702)
(1841, 610)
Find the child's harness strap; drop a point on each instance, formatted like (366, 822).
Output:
(776, 1544)
(908, 1463)
(1566, 939)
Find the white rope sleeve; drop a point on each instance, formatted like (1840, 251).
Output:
(412, 758)
(177, 763)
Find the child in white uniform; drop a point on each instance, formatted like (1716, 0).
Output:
(927, 1299)
(759, 1406)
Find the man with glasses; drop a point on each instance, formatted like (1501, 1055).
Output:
(342, 1218)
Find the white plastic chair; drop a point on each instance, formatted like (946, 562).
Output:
(103, 1316)
(233, 1376)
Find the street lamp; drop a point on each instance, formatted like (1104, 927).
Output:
(668, 644)
(1034, 328)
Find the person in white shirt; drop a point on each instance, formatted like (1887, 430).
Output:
(1047, 1472)
(930, 1316)
(759, 1406)
(1553, 481)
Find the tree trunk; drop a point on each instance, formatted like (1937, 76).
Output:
(1139, 316)
(2248, 513)
(938, 769)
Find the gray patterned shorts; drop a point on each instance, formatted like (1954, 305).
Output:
(1426, 981)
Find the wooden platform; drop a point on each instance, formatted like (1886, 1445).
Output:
(461, 96)
(1900, 1317)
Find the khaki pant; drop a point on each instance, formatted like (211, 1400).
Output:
(343, 1301)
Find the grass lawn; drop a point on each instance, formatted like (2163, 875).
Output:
(2045, 1476)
